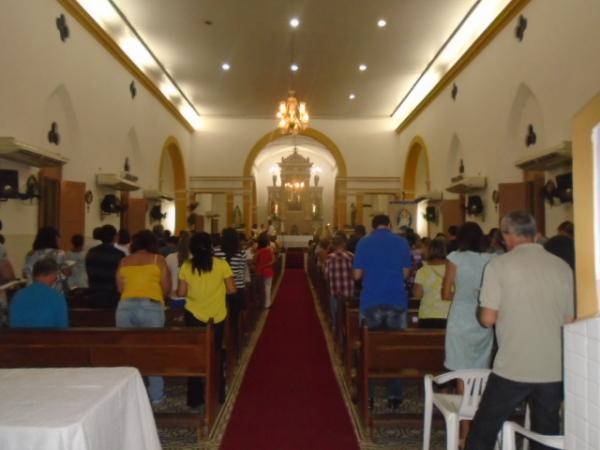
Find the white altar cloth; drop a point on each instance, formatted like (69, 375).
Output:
(75, 409)
(295, 241)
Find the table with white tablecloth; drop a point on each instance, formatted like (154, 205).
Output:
(295, 240)
(75, 408)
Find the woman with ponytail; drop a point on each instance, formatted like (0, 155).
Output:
(204, 281)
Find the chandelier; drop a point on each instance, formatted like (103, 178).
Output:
(292, 115)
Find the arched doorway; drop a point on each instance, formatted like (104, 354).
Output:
(416, 170)
(172, 178)
(416, 184)
(327, 143)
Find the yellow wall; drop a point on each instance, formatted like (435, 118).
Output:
(583, 186)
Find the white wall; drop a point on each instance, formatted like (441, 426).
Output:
(543, 80)
(222, 146)
(79, 85)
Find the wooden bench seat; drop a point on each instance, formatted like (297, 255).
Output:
(174, 352)
(407, 354)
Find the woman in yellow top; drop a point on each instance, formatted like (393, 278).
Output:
(143, 279)
(204, 281)
(433, 310)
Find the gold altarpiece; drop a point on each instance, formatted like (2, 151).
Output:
(295, 205)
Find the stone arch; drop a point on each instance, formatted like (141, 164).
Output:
(525, 109)
(340, 185)
(310, 132)
(172, 150)
(60, 108)
(416, 167)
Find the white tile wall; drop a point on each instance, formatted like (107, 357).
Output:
(582, 384)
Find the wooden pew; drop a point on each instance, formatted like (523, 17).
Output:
(351, 340)
(407, 354)
(91, 317)
(171, 352)
(350, 335)
(105, 317)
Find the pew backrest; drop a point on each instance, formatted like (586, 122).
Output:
(180, 352)
(91, 317)
(409, 353)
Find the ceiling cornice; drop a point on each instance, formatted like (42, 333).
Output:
(503, 19)
(73, 8)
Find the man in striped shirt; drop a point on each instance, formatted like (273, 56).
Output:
(230, 250)
(338, 271)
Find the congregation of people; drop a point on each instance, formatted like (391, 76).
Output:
(502, 298)
(138, 277)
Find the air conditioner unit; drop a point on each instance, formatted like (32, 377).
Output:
(547, 159)
(430, 196)
(116, 181)
(152, 194)
(14, 150)
(465, 185)
(434, 196)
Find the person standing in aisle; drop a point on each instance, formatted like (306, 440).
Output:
(264, 259)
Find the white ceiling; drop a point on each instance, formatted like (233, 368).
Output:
(334, 37)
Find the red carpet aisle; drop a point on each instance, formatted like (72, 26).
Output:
(290, 399)
(294, 258)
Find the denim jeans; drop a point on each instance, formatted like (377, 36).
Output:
(499, 401)
(333, 302)
(143, 313)
(386, 317)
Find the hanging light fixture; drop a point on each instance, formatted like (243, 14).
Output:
(292, 114)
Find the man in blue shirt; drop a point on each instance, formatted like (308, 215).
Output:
(382, 262)
(39, 305)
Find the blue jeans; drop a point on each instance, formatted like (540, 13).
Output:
(333, 302)
(143, 313)
(386, 317)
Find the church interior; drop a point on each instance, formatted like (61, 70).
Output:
(309, 117)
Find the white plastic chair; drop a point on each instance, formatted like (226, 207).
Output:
(510, 429)
(454, 407)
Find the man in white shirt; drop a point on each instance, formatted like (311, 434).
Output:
(527, 294)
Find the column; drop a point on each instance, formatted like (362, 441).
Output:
(229, 208)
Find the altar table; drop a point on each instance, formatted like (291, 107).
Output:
(75, 409)
(295, 241)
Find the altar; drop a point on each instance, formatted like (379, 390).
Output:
(295, 241)
(295, 205)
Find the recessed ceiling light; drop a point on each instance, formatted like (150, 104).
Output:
(381, 23)
(352, 96)
(362, 67)
(294, 22)
(225, 67)
(294, 67)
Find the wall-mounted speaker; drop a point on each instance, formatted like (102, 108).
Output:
(431, 214)
(474, 205)
(9, 183)
(564, 187)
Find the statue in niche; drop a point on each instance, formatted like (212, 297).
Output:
(237, 217)
(295, 201)
(352, 215)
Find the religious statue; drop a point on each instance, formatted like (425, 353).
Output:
(237, 217)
